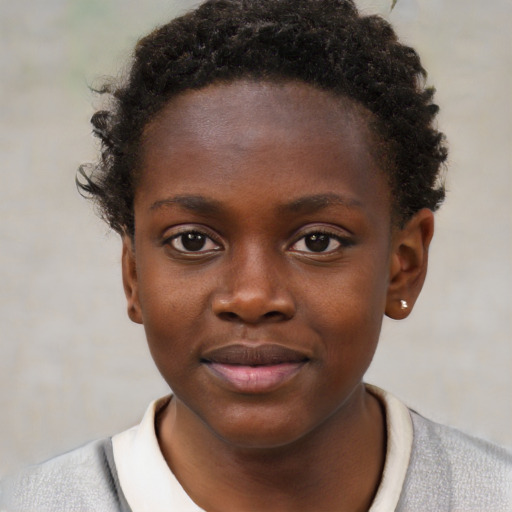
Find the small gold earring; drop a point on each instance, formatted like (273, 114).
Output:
(403, 304)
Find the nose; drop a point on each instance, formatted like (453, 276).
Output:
(253, 291)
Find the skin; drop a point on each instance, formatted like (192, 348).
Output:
(260, 169)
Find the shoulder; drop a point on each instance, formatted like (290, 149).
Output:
(83, 480)
(449, 470)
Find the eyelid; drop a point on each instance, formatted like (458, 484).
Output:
(177, 231)
(342, 236)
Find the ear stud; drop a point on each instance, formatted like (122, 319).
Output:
(403, 304)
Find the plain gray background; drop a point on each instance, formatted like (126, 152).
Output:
(72, 366)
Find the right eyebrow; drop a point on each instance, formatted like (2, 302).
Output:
(194, 203)
(317, 202)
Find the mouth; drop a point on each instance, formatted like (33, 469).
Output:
(253, 370)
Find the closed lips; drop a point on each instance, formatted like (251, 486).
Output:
(250, 369)
(262, 355)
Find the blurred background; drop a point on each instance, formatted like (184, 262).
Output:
(73, 367)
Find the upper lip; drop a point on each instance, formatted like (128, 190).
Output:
(250, 355)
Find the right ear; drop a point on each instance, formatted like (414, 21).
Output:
(130, 280)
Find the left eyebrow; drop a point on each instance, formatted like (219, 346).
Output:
(314, 203)
(193, 203)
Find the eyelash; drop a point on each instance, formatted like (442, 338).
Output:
(196, 232)
(342, 242)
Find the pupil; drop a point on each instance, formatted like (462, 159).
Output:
(193, 241)
(317, 242)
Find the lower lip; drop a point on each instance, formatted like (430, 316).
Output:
(255, 379)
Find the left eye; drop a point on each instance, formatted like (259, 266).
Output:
(317, 242)
(193, 241)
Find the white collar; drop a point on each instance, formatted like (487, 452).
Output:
(398, 450)
(146, 480)
(149, 485)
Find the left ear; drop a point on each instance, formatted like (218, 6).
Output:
(408, 263)
(130, 282)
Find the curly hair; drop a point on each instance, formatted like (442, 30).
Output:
(324, 43)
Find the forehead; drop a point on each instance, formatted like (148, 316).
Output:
(216, 111)
(285, 138)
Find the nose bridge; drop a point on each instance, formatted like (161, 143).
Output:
(254, 286)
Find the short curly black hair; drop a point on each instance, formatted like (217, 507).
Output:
(324, 43)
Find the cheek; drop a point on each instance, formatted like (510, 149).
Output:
(347, 314)
(170, 295)
(173, 311)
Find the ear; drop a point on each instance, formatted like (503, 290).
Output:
(130, 280)
(408, 264)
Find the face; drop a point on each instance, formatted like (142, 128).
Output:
(262, 256)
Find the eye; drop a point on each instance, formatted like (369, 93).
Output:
(317, 242)
(192, 242)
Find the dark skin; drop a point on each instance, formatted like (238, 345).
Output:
(263, 261)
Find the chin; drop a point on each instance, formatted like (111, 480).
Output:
(260, 431)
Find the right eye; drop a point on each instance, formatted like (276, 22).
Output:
(192, 242)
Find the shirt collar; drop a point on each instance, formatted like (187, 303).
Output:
(149, 485)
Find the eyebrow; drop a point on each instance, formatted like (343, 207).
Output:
(314, 203)
(193, 203)
(303, 205)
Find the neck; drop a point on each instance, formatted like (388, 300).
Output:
(337, 466)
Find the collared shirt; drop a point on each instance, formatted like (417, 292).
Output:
(150, 486)
(442, 470)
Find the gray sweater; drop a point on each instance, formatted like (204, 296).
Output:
(448, 472)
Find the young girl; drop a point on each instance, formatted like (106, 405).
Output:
(272, 168)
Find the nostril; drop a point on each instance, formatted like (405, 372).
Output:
(269, 316)
(249, 307)
(273, 314)
(229, 315)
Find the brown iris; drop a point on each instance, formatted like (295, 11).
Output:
(317, 242)
(193, 241)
